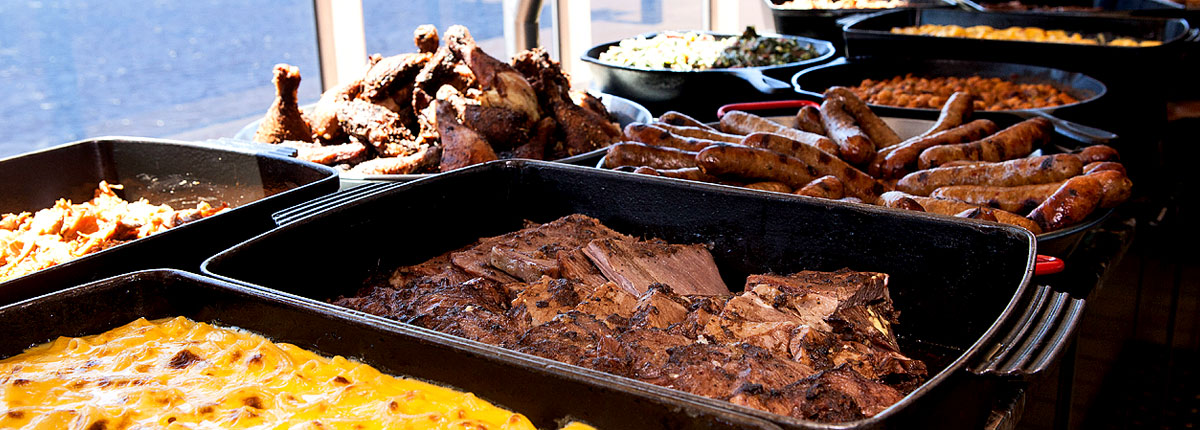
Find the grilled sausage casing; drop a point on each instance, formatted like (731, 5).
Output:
(1095, 153)
(876, 129)
(778, 187)
(699, 133)
(1099, 166)
(739, 122)
(658, 136)
(1013, 142)
(808, 119)
(1070, 204)
(640, 154)
(956, 110)
(820, 163)
(753, 163)
(894, 199)
(903, 158)
(691, 173)
(828, 186)
(678, 118)
(1023, 171)
(1116, 188)
(1018, 199)
(853, 145)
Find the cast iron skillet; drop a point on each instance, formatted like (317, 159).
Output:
(697, 92)
(626, 111)
(849, 73)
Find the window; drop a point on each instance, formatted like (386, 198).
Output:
(189, 70)
(389, 28)
(74, 69)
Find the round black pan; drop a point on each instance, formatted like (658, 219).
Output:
(849, 73)
(698, 92)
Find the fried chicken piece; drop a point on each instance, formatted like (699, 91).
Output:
(441, 70)
(582, 129)
(587, 101)
(426, 38)
(541, 71)
(540, 138)
(391, 74)
(461, 146)
(378, 127)
(329, 155)
(425, 159)
(500, 84)
(284, 120)
(502, 127)
(444, 68)
(324, 118)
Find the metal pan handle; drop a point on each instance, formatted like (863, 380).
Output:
(252, 147)
(1039, 337)
(763, 83)
(316, 206)
(754, 106)
(1074, 130)
(796, 78)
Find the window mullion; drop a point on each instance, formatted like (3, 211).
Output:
(341, 40)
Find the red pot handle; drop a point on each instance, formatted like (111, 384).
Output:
(1047, 265)
(777, 104)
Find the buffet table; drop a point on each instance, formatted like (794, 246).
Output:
(878, 250)
(1091, 264)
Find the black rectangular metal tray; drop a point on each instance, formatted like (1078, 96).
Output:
(826, 24)
(871, 37)
(255, 180)
(1139, 80)
(547, 396)
(962, 287)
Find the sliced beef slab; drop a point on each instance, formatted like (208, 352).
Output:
(635, 265)
(812, 345)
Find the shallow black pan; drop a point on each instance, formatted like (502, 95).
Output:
(256, 180)
(826, 24)
(1051, 246)
(963, 288)
(1133, 69)
(699, 92)
(850, 73)
(545, 395)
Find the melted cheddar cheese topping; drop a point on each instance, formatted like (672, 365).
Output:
(180, 374)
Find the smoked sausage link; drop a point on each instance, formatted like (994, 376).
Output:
(1022, 171)
(1013, 142)
(1070, 204)
(640, 154)
(853, 145)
